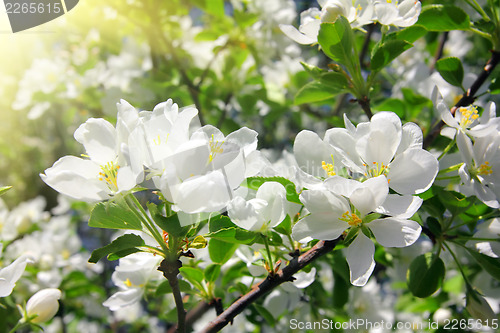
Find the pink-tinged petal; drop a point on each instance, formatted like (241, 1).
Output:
(413, 171)
(359, 256)
(371, 194)
(402, 206)
(98, 136)
(395, 232)
(296, 35)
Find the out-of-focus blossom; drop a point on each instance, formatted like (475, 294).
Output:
(398, 13)
(481, 169)
(10, 274)
(488, 229)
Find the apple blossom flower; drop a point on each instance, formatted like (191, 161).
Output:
(467, 120)
(105, 170)
(265, 211)
(398, 13)
(131, 276)
(10, 274)
(43, 304)
(488, 229)
(331, 214)
(383, 146)
(357, 12)
(202, 175)
(481, 169)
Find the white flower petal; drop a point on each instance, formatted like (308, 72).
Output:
(98, 136)
(296, 35)
(413, 171)
(123, 298)
(395, 232)
(402, 206)
(359, 256)
(370, 194)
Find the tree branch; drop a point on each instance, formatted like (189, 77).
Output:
(286, 274)
(468, 98)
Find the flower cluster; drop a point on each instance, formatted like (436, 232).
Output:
(358, 12)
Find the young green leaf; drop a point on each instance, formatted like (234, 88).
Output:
(451, 70)
(164, 288)
(212, 272)
(387, 52)
(169, 224)
(127, 242)
(112, 215)
(337, 41)
(234, 235)
(4, 189)
(425, 275)
(443, 18)
(489, 264)
(193, 275)
(313, 92)
(220, 252)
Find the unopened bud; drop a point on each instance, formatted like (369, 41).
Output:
(44, 304)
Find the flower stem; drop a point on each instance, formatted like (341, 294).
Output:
(447, 149)
(270, 257)
(458, 263)
(135, 205)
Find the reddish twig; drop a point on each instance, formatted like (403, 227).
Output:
(259, 290)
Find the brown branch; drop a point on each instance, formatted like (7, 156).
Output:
(170, 271)
(366, 43)
(468, 98)
(365, 105)
(440, 50)
(286, 274)
(193, 315)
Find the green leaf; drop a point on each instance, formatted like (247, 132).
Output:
(4, 189)
(122, 243)
(193, 275)
(215, 7)
(337, 41)
(164, 287)
(393, 104)
(266, 314)
(169, 224)
(212, 272)
(340, 291)
(443, 18)
(455, 202)
(489, 264)
(313, 92)
(291, 192)
(234, 235)
(495, 86)
(285, 227)
(425, 275)
(314, 71)
(337, 82)
(387, 52)
(434, 226)
(122, 253)
(220, 222)
(411, 33)
(451, 70)
(112, 215)
(220, 252)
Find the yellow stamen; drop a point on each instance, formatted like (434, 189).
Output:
(485, 169)
(329, 167)
(469, 114)
(109, 174)
(215, 148)
(351, 219)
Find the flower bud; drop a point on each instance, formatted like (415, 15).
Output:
(44, 304)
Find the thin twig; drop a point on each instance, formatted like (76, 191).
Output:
(440, 50)
(364, 49)
(286, 274)
(468, 98)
